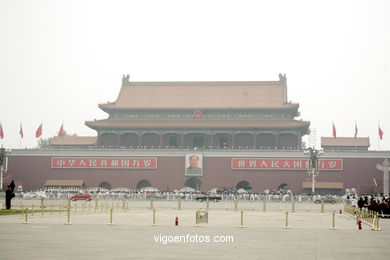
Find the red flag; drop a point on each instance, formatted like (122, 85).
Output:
(356, 130)
(38, 133)
(61, 132)
(333, 130)
(1, 131)
(380, 132)
(21, 131)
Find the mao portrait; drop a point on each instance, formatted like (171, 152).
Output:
(193, 165)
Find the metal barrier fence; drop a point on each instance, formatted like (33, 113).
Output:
(70, 208)
(236, 205)
(364, 215)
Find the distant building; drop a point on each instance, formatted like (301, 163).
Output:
(345, 143)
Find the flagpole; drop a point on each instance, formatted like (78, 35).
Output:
(355, 137)
(378, 136)
(20, 135)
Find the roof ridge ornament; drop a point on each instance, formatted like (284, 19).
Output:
(282, 77)
(125, 79)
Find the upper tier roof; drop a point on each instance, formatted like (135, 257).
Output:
(201, 95)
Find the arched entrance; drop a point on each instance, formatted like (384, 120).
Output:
(105, 185)
(142, 184)
(194, 183)
(244, 185)
(283, 186)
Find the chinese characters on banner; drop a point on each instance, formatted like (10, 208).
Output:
(104, 162)
(283, 164)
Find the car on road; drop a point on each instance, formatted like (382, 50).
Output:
(34, 195)
(210, 197)
(327, 199)
(81, 196)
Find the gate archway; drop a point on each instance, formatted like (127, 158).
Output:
(283, 186)
(105, 185)
(194, 183)
(244, 185)
(142, 184)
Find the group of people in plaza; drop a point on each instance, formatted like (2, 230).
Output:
(374, 203)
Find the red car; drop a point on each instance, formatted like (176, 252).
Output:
(81, 196)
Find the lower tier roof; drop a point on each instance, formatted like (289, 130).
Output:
(142, 123)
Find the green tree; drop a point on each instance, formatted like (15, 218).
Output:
(46, 142)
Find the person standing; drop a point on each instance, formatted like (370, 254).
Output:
(9, 194)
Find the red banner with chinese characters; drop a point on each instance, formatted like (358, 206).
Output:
(283, 164)
(104, 162)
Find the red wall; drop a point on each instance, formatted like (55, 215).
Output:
(33, 171)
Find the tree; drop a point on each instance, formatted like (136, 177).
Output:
(46, 142)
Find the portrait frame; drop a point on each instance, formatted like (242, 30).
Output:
(191, 171)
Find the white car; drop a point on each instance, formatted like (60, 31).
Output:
(34, 195)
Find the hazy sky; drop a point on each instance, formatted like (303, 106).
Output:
(60, 59)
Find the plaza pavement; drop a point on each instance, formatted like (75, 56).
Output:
(132, 235)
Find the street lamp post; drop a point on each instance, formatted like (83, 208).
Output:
(313, 166)
(3, 164)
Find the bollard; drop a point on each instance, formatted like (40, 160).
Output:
(68, 216)
(322, 206)
(96, 204)
(333, 221)
(197, 219)
(207, 204)
(51, 210)
(110, 222)
(286, 224)
(154, 218)
(179, 204)
(25, 216)
(242, 219)
(42, 203)
(293, 206)
(235, 205)
(264, 206)
(151, 203)
(375, 226)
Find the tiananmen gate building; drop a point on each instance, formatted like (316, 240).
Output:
(204, 135)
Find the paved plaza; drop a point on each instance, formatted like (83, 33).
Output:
(132, 235)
